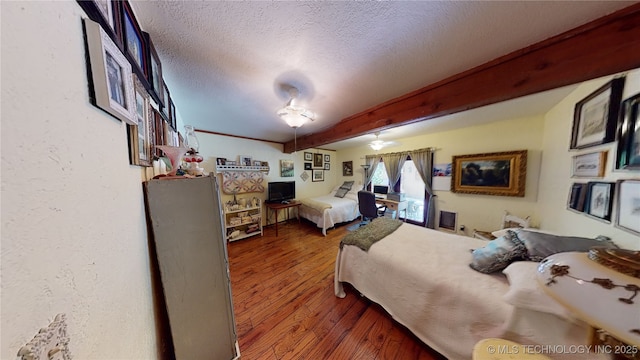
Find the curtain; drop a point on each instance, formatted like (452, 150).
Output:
(393, 163)
(423, 160)
(372, 161)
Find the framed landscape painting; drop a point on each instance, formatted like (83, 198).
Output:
(500, 173)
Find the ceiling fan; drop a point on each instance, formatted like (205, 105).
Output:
(378, 144)
(295, 115)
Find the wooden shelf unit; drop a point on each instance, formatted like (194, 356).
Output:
(243, 220)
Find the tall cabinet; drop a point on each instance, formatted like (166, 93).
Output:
(186, 225)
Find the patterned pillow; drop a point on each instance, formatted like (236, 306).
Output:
(498, 254)
(341, 192)
(347, 185)
(540, 245)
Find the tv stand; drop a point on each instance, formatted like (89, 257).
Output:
(284, 204)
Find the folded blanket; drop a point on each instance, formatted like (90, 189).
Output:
(315, 204)
(367, 235)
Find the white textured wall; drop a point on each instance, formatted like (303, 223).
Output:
(556, 170)
(474, 211)
(74, 237)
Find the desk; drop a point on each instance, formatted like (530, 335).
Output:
(275, 207)
(396, 206)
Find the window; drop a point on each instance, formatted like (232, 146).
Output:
(380, 176)
(412, 185)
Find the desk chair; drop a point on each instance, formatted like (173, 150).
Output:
(369, 210)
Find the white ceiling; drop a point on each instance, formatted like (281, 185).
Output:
(225, 62)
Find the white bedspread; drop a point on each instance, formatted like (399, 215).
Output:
(422, 278)
(342, 210)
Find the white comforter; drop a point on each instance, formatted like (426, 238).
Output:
(342, 210)
(423, 280)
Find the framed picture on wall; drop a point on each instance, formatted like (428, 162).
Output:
(347, 168)
(327, 166)
(317, 161)
(154, 71)
(308, 156)
(595, 117)
(140, 134)
(628, 155)
(501, 173)
(318, 175)
(589, 165)
(628, 206)
(111, 82)
(577, 197)
(286, 168)
(327, 158)
(107, 14)
(600, 200)
(307, 166)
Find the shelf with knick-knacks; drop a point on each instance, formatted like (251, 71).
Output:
(243, 218)
(245, 164)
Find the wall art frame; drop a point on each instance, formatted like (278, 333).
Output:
(347, 168)
(246, 160)
(327, 166)
(307, 166)
(577, 197)
(317, 161)
(111, 79)
(589, 165)
(154, 71)
(628, 153)
(308, 156)
(600, 200)
(134, 42)
(107, 14)
(286, 168)
(327, 158)
(498, 173)
(140, 137)
(317, 175)
(628, 205)
(595, 117)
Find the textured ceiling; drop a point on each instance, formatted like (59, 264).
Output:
(225, 62)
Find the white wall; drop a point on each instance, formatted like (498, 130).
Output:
(556, 171)
(74, 236)
(474, 211)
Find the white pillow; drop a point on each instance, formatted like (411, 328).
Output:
(525, 291)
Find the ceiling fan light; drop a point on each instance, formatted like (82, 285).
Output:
(293, 119)
(376, 144)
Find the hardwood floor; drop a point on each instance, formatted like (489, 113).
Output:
(285, 307)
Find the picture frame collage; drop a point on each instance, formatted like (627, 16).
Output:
(126, 78)
(601, 118)
(317, 163)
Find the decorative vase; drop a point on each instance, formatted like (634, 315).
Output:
(174, 154)
(190, 138)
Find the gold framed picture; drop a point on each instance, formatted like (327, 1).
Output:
(499, 173)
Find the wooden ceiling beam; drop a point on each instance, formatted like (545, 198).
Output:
(602, 47)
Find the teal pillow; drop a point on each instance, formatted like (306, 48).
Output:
(498, 254)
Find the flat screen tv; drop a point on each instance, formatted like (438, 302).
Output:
(281, 191)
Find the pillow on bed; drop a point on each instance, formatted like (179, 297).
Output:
(525, 291)
(341, 192)
(498, 254)
(540, 245)
(347, 185)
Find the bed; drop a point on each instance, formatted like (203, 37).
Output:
(423, 279)
(328, 210)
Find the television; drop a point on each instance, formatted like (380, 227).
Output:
(380, 189)
(281, 191)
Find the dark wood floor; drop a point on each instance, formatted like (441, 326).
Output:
(285, 307)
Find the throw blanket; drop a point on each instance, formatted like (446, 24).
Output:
(320, 206)
(367, 235)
